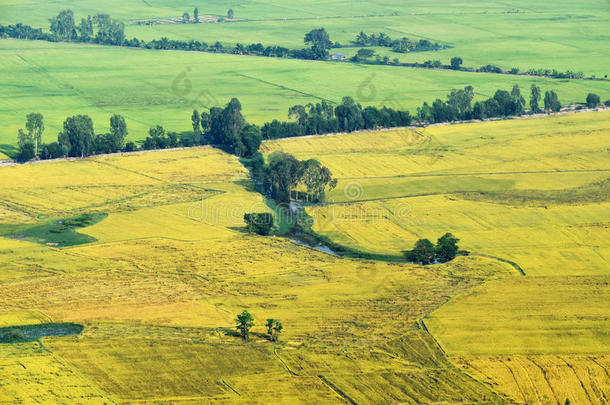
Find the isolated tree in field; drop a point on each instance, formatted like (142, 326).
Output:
(446, 247)
(35, 127)
(424, 252)
(186, 18)
(230, 14)
(274, 328)
(77, 136)
(25, 143)
(551, 101)
(535, 99)
(118, 132)
(63, 26)
(456, 62)
(320, 42)
(244, 322)
(196, 15)
(592, 100)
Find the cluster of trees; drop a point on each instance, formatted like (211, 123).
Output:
(425, 252)
(260, 223)
(283, 173)
(402, 45)
(227, 128)
(245, 321)
(323, 118)
(458, 105)
(77, 139)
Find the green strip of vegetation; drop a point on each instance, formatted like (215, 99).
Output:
(56, 233)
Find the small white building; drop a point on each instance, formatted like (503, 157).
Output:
(337, 56)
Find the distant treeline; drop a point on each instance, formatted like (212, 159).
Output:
(402, 45)
(226, 127)
(102, 29)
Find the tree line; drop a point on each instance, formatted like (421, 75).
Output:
(102, 29)
(402, 45)
(226, 127)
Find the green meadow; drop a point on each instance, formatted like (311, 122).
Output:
(150, 87)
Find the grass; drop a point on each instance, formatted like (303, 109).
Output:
(177, 273)
(509, 34)
(149, 87)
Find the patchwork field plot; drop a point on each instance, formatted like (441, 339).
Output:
(152, 87)
(158, 289)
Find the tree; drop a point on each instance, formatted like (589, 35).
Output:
(592, 100)
(230, 14)
(274, 328)
(196, 121)
(63, 26)
(196, 15)
(260, 223)
(551, 101)
(282, 174)
(518, 100)
(251, 138)
(316, 178)
(446, 247)
(423, 252)
(77, 136)
(535, 99)
(364, 54)
(118, 132)
(244, 322)
(85, 29)
(320, 42)
(35, 127)
(186, 18)
(231, 123)
(25, 143)
(456, 62)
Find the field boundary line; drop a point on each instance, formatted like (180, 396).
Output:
(284, 87)
(337, 390)
(513, 264)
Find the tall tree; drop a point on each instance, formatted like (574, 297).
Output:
(535, 99)
(244, 322)
(77, 136)
(35, 127)
(118, 132)
(320, 42)
(196, 122)
(25, 142)
(230, 14)
(551, 101)
(232, 122)
(196, 15)
(62, 26)
(518, 100)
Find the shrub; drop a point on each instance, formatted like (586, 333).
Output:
(260, 223)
